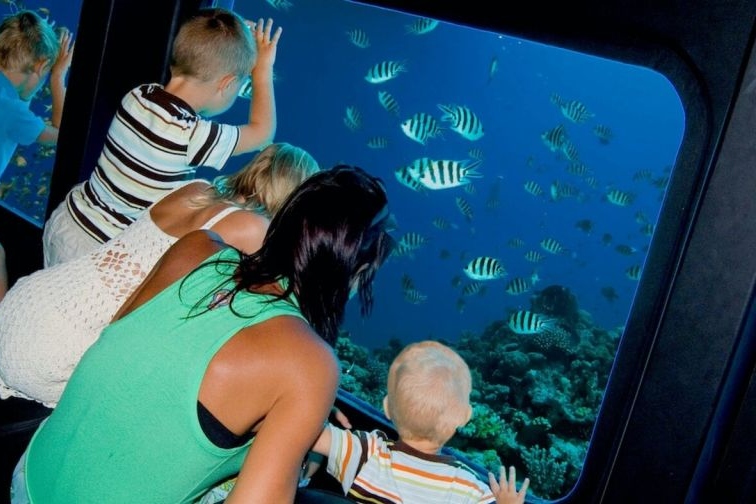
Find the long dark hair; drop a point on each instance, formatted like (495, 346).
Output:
(330, 236)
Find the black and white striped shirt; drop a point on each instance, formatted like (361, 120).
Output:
(155, 142)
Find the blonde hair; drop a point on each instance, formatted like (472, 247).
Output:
(264, 183)
(428, 397)
(214, 43)
(25, 39)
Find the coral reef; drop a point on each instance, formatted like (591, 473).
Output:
(535, 397)
(545, 470)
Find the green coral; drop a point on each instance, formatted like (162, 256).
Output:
(546, 473)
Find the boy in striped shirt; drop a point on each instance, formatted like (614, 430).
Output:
(160, 135)
(428, 398)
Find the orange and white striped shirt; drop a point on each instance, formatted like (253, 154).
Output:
(373, 469)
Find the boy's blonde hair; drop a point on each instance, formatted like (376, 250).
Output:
(214, 43)
(26, 39)
(428, 395)
(264, 183)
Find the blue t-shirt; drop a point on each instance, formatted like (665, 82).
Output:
(18, 124)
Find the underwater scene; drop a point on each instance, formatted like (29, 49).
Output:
(25, 183)
(525, 179)
(526, 182)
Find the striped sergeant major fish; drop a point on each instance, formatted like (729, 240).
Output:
(411, 294)
(619, 198)
(405, 177)
(463, 121)
(443, 224)
(464, 207)
(353, 118)
(443, 174)
(412, 240)
(570, 151)
(554, 138)
(647, 229)
(527, 322)
(552, 246)
(534, 256)
(559, 190)
(407, 282)
(400, 250)
(518, 285)
(578, 168)
(359, 38)
(421, 26)
(384, 71)
(591, 182)
(283, 5)
(475, 153)
(532, 187)
(633, 272)
(377, 142)
(625, 249)
(644, 174)
(388, 102)
(603, 133)
(473, 288)
(575, 111)
(516, 243)
(484, 268)
(246, 89)
(414, 296)
(420, 127)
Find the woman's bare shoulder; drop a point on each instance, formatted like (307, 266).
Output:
(289, 345)
(244, 230)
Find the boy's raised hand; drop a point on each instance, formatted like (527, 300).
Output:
(63, 61)
(266, 41)
(506, 491)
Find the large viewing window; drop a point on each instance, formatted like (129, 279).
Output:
(567, 157)
(526, 181)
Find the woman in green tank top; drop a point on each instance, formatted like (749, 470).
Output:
(213, 348)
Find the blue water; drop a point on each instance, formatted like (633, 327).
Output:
(320, 73)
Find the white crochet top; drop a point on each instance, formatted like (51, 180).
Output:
(49, 318)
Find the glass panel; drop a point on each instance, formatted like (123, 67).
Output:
(25, 183)
(530, 269)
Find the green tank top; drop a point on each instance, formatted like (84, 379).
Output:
(126, 428)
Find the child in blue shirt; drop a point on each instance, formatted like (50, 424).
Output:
(30, 52)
